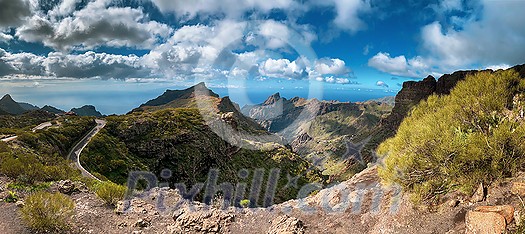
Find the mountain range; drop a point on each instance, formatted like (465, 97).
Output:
(183, 134)
(8, 106)
(330, 133)
(338, 138)
(177, 132)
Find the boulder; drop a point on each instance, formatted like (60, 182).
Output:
(20, 204)
(142, 223)
(66, 187)
(286, 225)
(478, 222)
(480, 194)
(518, 188)
(506, 211)
(208, 220)
(122, 207)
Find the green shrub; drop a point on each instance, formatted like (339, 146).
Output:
(48, 212)
(28, 168)
(457, 141)
(11, 197)
(29, 188)
(245, 203)
(110, 192)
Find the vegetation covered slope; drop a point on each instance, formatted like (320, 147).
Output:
(11, 124)
(41, 156)
(328, 133)
(87, 110)
(456, 141)
(154, 138)
(410, 95)
(7, 104)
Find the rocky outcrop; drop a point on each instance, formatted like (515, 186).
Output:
(87, 110)
(507, 211)
(210, 220)
(172, 95)
(518, 188)
(411, 94)
(286, 224)
(69, 187)
(489, 219)
(484, 223)
(480, 194)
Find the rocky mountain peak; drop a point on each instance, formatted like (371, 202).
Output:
(226, 105)
(272, 99)
(172, 95)
(7, 104)
(7, 97)
(87, 110)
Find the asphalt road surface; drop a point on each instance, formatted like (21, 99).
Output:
(74, 154)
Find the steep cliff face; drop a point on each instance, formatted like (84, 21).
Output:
(410, 95)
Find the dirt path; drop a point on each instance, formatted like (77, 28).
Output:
(10, 222)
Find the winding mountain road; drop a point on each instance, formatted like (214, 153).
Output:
(74, 154)
(7, 139)
(39, 127)
(42, 126)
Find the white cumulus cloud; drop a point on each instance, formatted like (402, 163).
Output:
(495, 38)
(382, 84)
(186, 9)
(331, 66)
(86, 65)
(348, 13)
(97, 24)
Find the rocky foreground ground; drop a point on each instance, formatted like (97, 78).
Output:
(359, 205)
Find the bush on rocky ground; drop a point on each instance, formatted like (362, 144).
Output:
(455, 142)
(48, 212)
(110, 192)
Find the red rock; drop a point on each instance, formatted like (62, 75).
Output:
(518, 188)
(506, 211)
(485, 223)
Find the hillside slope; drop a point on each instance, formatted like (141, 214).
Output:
(410, 95)
(174, 135)
(7, 104)
(328, 133)
(87, 110)
(455, 142)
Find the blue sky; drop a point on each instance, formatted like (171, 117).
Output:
(350, 50)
